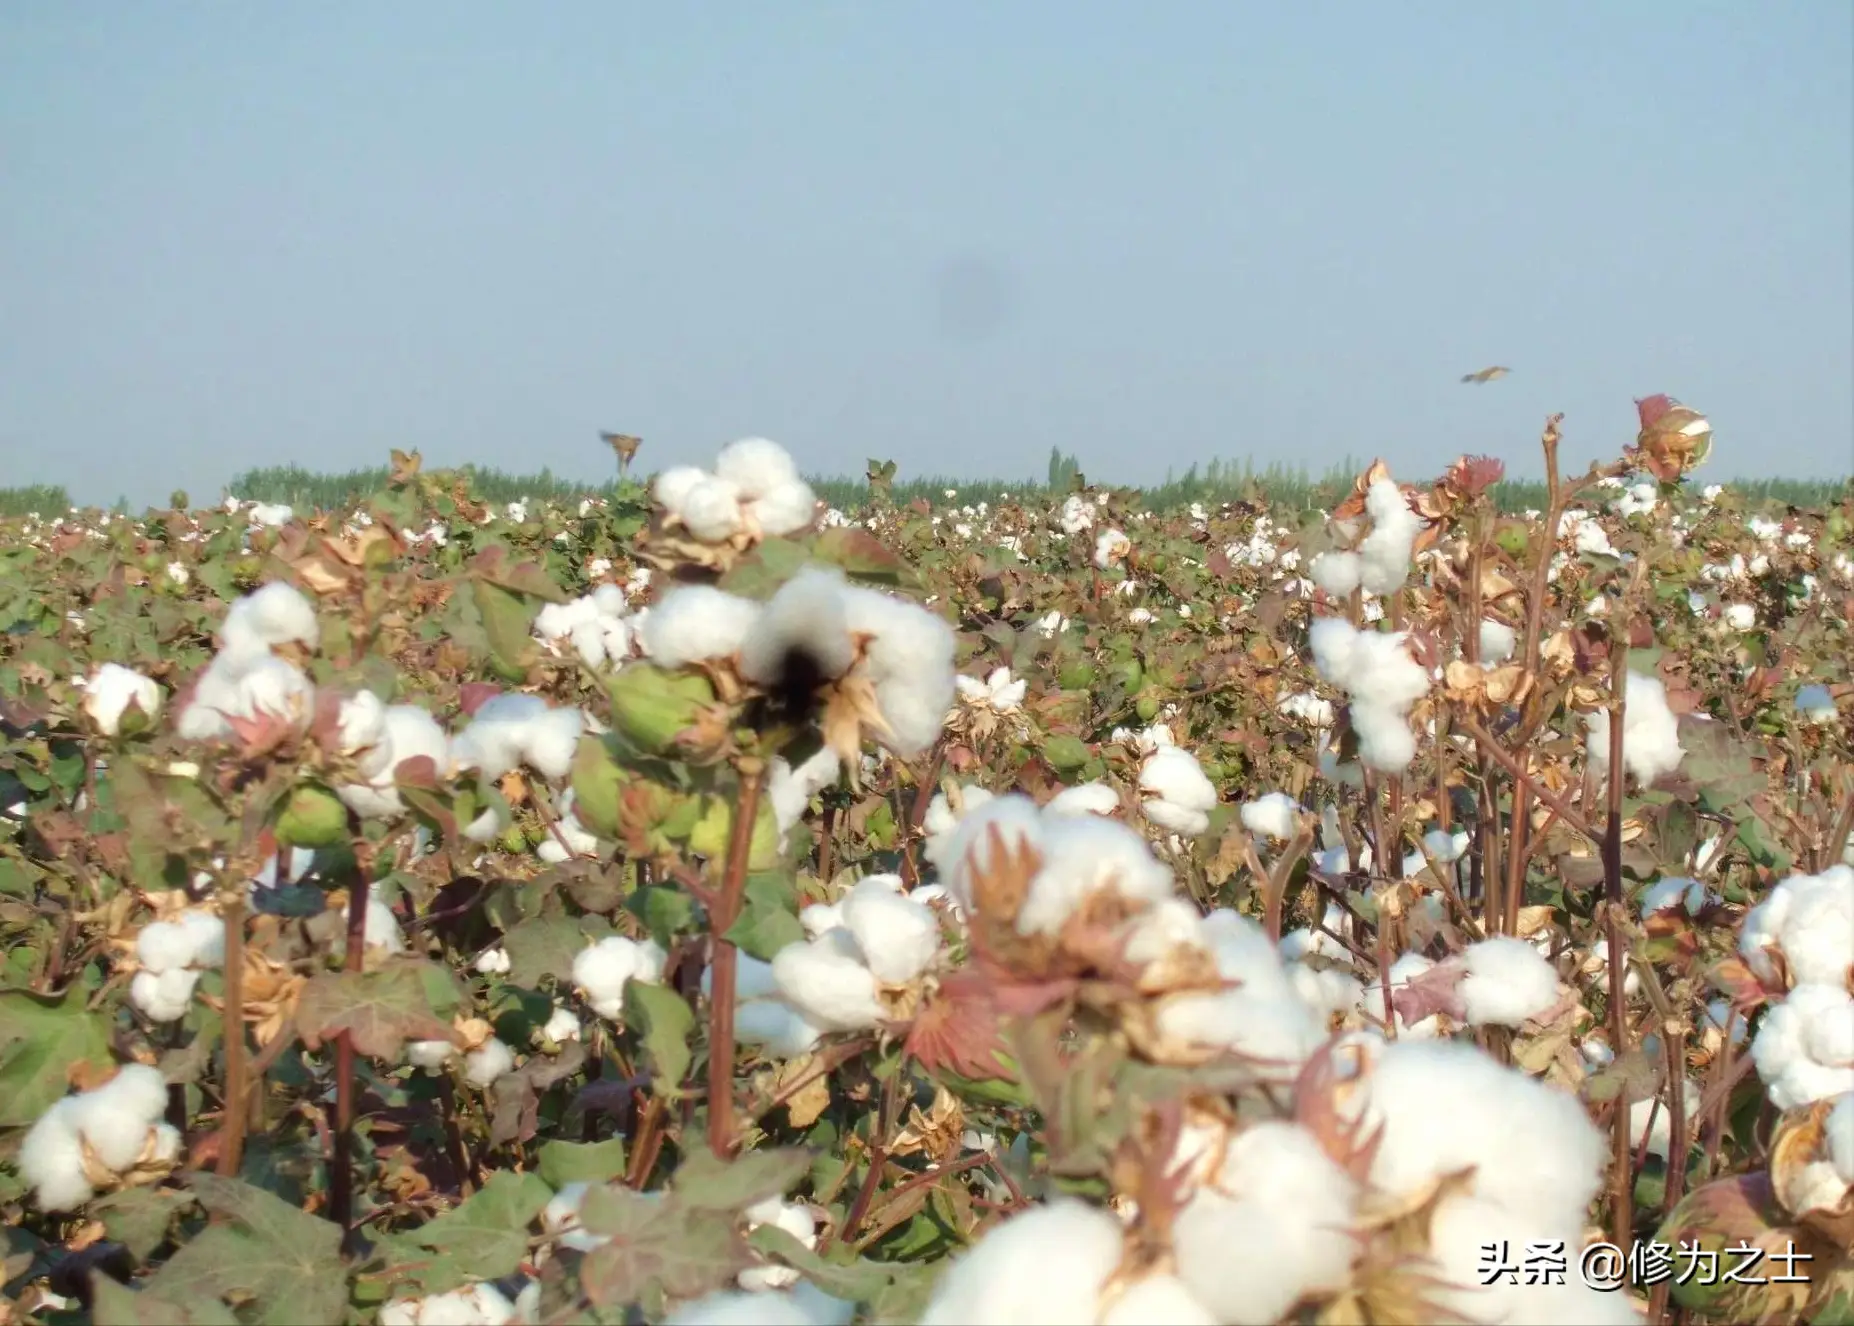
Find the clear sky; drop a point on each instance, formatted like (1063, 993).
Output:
(953, 234)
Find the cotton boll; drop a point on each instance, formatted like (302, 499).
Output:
(790, 790)
(164, 996)
(164, 946)
(600, 972)
(696, 622)
(1178, 795)
(277, 614)
(792, 1217)
(1157, 1300)
(114, 1119)
(112, 690)
(1384, 555)
(672, 487)
(1046, 1265)
(1274, 1227)
(486, 1063)
(1650, 732)
(361, 722)
(1012, 822)
(1083, 857)
(777, 1028)
(711, 510)
(560, 1218)
(561, 1026)
(1084, 799)
(1385, 742)
(1498, 641)
(1337, 573)
(786, 509)
(1406, 969)
(404, 732)
(755, 466)
(739, 1307)
(1507, 982)
(1111, 546)
(1447, 848)
(551, 740)
(51, 1160)
(909, 663)
(1839, 1134)
(381, 929)
(897, 936)
(805, 621)
(1446, 1107)
(1804, 1047)
(1329, 992)
(828, 982)
(1275, 816)
(1809, 919)
(430, 1056)
(1463, 1224)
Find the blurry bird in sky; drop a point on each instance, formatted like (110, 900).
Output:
(1487, 374)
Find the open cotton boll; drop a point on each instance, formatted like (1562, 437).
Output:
(1157, 1300)
(785, 510)
(1273, 1226)
(792, 1217)
(1507, 982)
(277, 614)
(1045, 1265)
(114, 1118)
(1498, 641)
(910, 665)
(898, 937)
(1177, 793)
(756, 465)
(406, 732)
(112, 690)
(486, 1063)
(560, 1218)
(1329, 992)
(805, 624)
(1839, 1132)
(1013, 820)
(1650, 732)
(600, 972)
(1809, 920)
(430, 1056)
(561, 1026)
(1688, 895)
(1111, 546)
(478, 1305)
(1084, 799)
(827, 980)
(1406, 969)
(1804, 1047)
(381, 928)
(1337, 573)
(1275, 816)
(1083, 857)
(711, 510)
(790, 790)
(672, 487)
(51, 1160)
(360, 723)
(569, 837)
(1447, 848)
(1384, 555)
(1299, 943)
(513, 729)
(693, 623)
(776, 1027)
(1446, 1107)
(163, 996)
(801, 1305)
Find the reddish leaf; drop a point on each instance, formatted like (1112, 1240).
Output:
(958, 1031)
(1435, 991)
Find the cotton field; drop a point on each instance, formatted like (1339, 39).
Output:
(707, 904)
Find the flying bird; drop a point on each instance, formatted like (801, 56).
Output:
(1487, 374)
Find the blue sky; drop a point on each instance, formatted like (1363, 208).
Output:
(950, 234)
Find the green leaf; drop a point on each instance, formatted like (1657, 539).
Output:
(858, 1281)
(562, 1163)
(118, 1305)
(380, 1010)
(657, 1246)
(42, 1037)
(598, 785)
(759, 574)
(489, 1232)
(768, 918)
(1065, 753)
(665, 909)
(138, 1218)
(312, 817)
(284, 1260)
(706, 1182)
(862, 556)
(664, 1021)
(507, 622)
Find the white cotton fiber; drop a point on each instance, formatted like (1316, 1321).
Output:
(1044, 1267)
(696, 622)
(1083, 856)
(896, 935)
(1507, 982)
(1274, 816)
(600, 972)
(828, 982)
(1384, 556)
(1650, 732)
